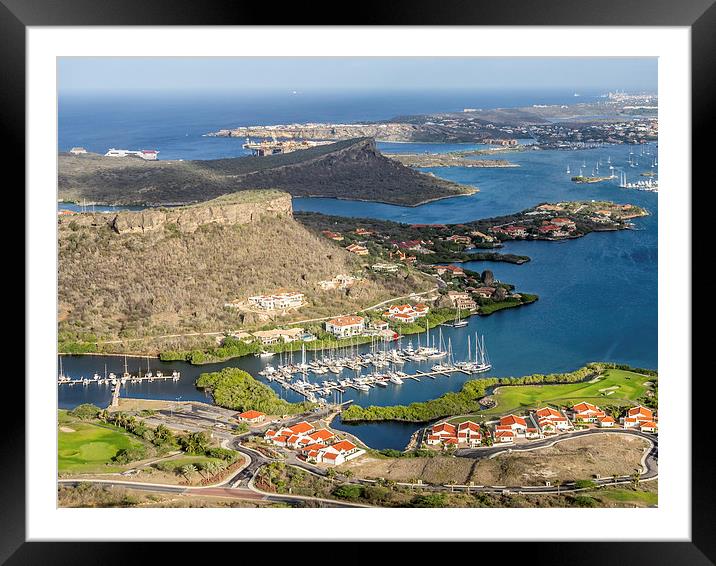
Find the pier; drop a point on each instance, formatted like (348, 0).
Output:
(114, 380)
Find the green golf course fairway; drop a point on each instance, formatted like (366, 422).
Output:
(629, 387)
(90, 447)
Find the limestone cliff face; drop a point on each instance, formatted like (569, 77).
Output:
(189, 218)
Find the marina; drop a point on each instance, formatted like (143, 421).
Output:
(112, 378)
(348, 364)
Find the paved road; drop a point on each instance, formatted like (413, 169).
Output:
(240, 485)
(243, 493)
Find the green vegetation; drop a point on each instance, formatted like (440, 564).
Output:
(583, 501)
(429, 500)
(348, 491)
(86, 411)
(235, 389)
(573, 386)
(627, 496)
(85, 447)
(489, 308)
(628, 388)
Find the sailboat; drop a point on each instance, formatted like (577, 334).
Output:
(149, 375)
(568, 172)
(459, 322)
(438, 352)
(62, 378)
(126, 374)
(482, 361)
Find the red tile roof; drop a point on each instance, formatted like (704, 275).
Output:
(301, 428)
(249, 415)
(447, 427)
(321, 434)
(344, 446)
(468, 425)
(512, 420)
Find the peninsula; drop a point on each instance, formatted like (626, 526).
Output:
(614, 120)
(447, 160)
(350, 169)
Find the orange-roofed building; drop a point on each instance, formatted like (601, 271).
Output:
(302, 428)
(344, 326)
(251, 416)
(637, 417)
(550, 415)
(515, 423)
(641, 413)
(323, 435)
(586, 412)
(469, 433)
(344, 446)
(532, 432)
(504, 436)
(606, 421)
(444, 429)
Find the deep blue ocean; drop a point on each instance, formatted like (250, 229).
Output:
(598, 294)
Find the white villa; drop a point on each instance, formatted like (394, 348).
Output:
(345, 326)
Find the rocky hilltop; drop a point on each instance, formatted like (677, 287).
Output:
(391, 131)
(239, 208)
(351, 169)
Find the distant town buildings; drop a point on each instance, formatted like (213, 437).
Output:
(146, 154)
(78, 150)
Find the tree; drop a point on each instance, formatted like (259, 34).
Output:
(636, 477)
(131, 454)
(86, 411)
(187, 470)
(348, 491)
(195, 442)
(429, 500)
(210, 468)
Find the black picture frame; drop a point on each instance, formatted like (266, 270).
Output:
(698, 15)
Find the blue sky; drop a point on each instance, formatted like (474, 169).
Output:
(90, 74)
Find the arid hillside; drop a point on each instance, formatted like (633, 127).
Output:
(350, 169)
(171, 271)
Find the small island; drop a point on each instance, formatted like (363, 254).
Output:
(452, 159)
(581, 179)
